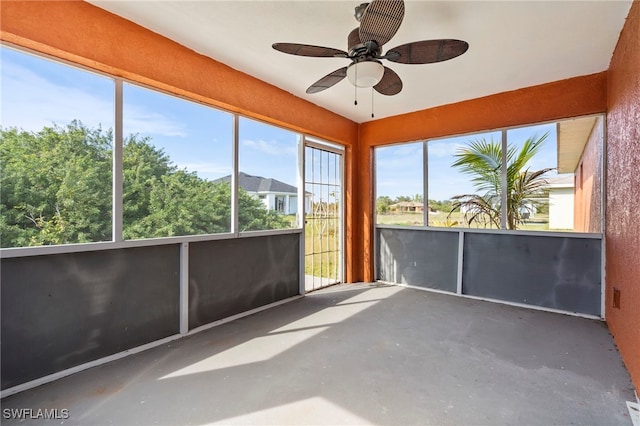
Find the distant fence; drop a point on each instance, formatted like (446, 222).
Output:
(63, 310)
(559, 271)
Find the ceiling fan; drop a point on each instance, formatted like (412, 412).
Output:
(379, 22)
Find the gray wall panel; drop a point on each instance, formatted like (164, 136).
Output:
(227, 277)
(418, 257)
(63, 310)
(554, 272)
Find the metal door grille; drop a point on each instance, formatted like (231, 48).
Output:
(323, 220)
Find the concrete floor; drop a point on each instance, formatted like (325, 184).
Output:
(312, 282)
(360, 354)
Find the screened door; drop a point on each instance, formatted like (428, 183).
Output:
(323, 216)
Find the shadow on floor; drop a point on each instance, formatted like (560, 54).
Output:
(361, 354)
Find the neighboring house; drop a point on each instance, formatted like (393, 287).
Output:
(275, 195)
(407, 206)
(561, 202)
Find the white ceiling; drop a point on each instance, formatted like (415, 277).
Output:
(513, 44)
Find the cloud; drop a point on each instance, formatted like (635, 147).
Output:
(31, 102)
(206, 168)
(33, 99)
(137, 119)
(397, 187)
(401, 185)
(446, 186)
(274, 148)
(443, 149)
(407, 150)
(545, 158)
(401, 157)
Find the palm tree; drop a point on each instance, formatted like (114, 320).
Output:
(526, 189)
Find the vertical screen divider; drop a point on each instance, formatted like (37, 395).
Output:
(302, 201)
(460, 262)
(117, 169)
(234, 176)
(503, 192)
(184, 288)
(425, 184)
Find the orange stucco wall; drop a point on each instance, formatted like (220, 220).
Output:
(86, 35)
(587, 211)
(623, 193)
(551, 101)
(81, 33)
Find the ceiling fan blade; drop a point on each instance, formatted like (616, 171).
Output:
(309, 50)
(381, 20)
(354, 38)
(427, 51)
(327, 81)
(390, 84)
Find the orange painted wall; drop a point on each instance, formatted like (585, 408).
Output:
(86, 35)
(623, 193)
(81, 33)
(587, 211)
(551, 101)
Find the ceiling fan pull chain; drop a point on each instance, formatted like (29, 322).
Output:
(372, 116)
(355, 90)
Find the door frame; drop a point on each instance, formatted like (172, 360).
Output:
(314, 143)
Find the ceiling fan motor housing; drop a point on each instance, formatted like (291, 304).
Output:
(359, 11)
(361, 51)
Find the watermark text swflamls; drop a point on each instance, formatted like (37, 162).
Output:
(35, 414)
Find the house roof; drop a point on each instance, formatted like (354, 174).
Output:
(407, 204)
(252, 183)
(573, 136)
(562, 181)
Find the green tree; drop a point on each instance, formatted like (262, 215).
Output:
(143, 168)
(526, 189)
(253, 216)
(56, 188)
(402, 198)
(441, 206)
(161, 201)
(53, 185)
(382, 204)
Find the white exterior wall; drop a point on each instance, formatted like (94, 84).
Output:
(269, 201)
(292, 204)
(561, 208)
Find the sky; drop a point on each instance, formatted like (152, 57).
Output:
(36, 92)
(399, 168)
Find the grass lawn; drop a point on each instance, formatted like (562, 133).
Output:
(456, 220)
(322, 247)
(322, 244)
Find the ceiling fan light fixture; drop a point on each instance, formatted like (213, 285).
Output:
(379, 22)
(365, 73)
